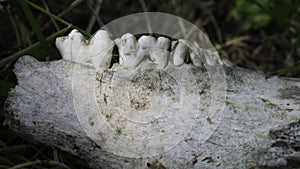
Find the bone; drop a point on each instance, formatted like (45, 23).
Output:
(195, 53)
(196, 58)
(179, 52)
(146, 46)
(160, 53)
(100, 50)
(132, 52)
(96, 52)
(194, 118)
(127, 46)
(70, 45)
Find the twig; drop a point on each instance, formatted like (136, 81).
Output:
(48, 162)
(94, 17)
(143, 4)
(58, 18)
(52, 20)
(16, 55)
(34, 25)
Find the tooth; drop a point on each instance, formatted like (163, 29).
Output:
(179, 53)
(100, 50)
(97, 51)
(196, 56)
(70, 46)
(159, 54)
(146, 46)
(127, 46)
(195, 59)
(78, 46)
(63, 45)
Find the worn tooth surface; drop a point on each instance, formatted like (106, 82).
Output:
(179, 53)
(97, 51)
(146, 45)
(69, 46)
(100, 50)
(160, 53)
(127, 46)
(78, 44)
(179, 117)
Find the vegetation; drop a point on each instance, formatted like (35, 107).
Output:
(260, 35)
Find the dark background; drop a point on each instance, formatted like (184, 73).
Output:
(256, 34)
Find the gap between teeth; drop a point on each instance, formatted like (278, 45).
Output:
(98, 51)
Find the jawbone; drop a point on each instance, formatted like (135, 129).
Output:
(164, 104)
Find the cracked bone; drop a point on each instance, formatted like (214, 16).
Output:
(154, 114)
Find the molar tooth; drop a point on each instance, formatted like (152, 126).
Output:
(159, 54)
(100, 50)
(146, 45)
(179, 53)
(127, 46)
(97, 51)
(69, 46)
(147, 42)
(63, 45)
(196, 56)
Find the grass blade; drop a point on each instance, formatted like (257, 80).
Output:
(16, 55)
(35, 6)
(34, 25)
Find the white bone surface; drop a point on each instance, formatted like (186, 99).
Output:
(152, 109)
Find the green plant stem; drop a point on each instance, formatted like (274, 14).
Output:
(34, 25)
(13, 149)
(6, 162)
(295, 47)
(287, 69)
(55, 156)
(16, 55)
(35, 6)
(47, 162)
(3, 166)
(261, 6)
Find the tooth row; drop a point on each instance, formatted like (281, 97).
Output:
(98, 51)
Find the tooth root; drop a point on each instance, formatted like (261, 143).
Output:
(127, 46)
(97, 51)
(179, 53)
(160, 53)
(100, 50)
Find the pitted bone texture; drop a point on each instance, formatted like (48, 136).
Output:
(284, 151)
(42, 106)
